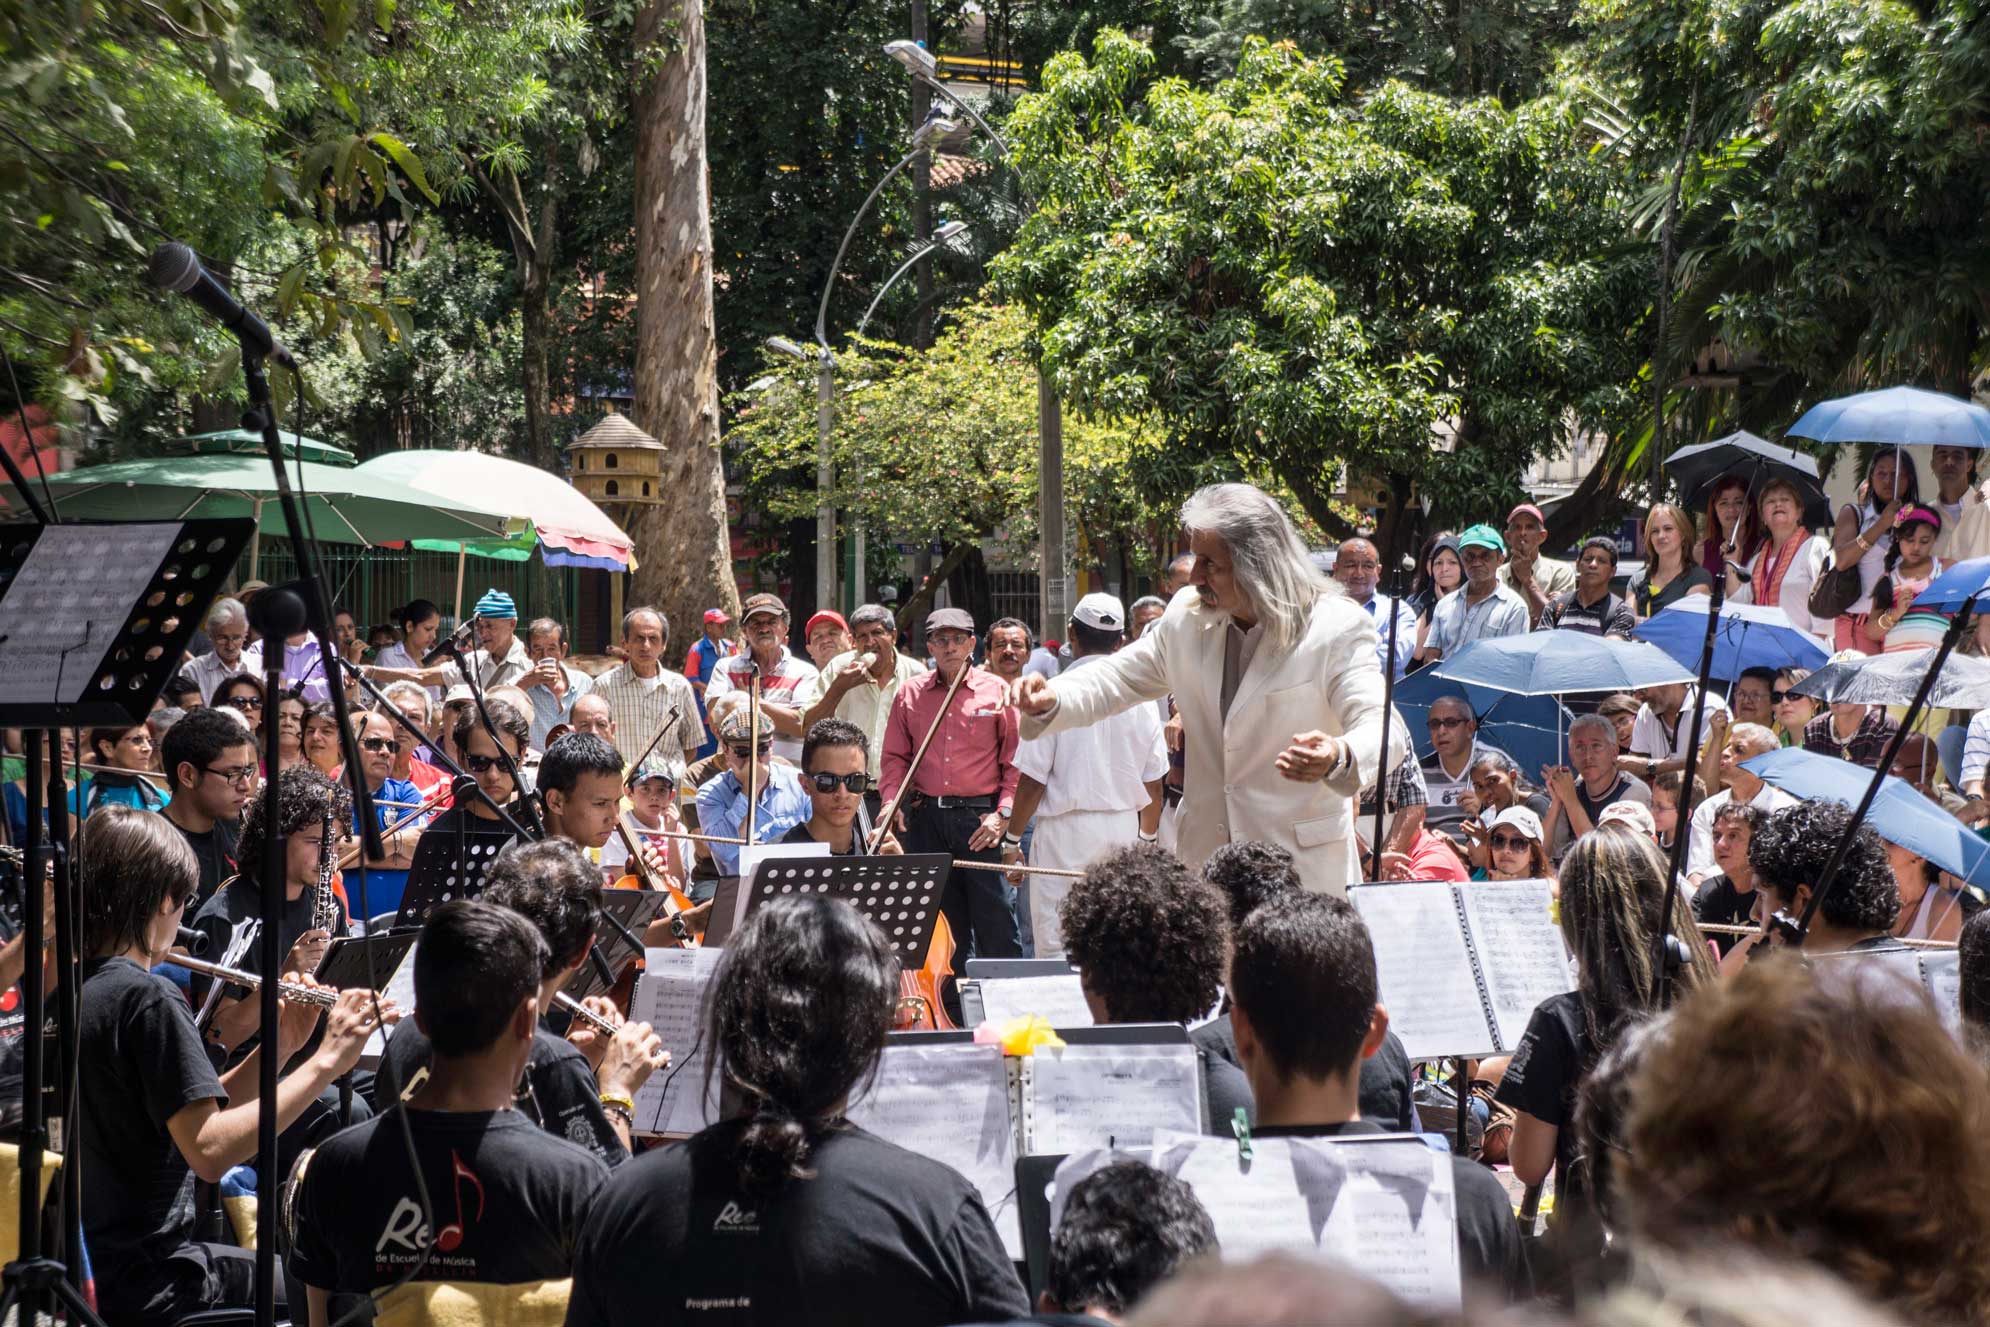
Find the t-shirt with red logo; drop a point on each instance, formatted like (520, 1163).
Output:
(508, 1201)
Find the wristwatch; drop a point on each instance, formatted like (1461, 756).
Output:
(1012, 840)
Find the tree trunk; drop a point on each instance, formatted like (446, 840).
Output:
(682, 542)
(535, 281)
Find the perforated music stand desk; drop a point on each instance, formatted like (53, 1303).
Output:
(900, 895)
(437, 875)
(346, 959)
(96, 616)
(635, 909)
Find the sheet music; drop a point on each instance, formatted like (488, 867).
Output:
(1521, 952)
(1941, 969)
(1083, 1097)
(951, 1103)
(1386, 1207)
(1423, 969)
(70, 600)
(400, 989)
(671, 999)
(1060, 999)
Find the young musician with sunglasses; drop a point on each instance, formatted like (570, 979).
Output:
(483, 763)
(835, 776)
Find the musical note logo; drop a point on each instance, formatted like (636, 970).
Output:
(451, 1236)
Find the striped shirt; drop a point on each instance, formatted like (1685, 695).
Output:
(641, 705)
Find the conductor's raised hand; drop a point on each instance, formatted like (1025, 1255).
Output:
(1311, 757)
(634, 1053)
(1032, 694)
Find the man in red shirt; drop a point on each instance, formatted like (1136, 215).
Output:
(964, 788)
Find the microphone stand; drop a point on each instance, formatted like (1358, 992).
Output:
(1388, 700)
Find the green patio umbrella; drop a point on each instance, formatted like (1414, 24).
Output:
(241, 442)
(346, 506)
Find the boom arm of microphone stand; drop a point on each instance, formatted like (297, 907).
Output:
(447, 761)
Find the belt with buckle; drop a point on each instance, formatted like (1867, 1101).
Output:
(985, 802)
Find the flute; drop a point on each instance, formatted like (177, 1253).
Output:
(322, 996)
(584, 1014)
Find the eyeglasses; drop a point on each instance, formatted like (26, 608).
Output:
(1441, 724)
(244, 702)
(827, 783)
(741, 752)
(378, 744)
(235, 774)
(1510, 842)
(481, 764)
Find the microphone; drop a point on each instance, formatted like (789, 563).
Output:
(452, 646)
(1741, 573)
(175, 267)
(194, 942)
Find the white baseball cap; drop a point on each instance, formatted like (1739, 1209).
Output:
(1101, 612)
(1520, 818)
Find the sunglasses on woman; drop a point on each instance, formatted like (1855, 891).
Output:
(827, 783)
(1510, 842)
(244, 702)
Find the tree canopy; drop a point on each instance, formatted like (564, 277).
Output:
(1276, 270)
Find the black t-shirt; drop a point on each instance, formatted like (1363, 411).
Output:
(215, 851)
(1227, 1089)
(1719, 903)
(1547, 1066)
(878, 1235)
(558, 1093)
(141, 1062)
(509, 1203)
(1675, 589)
(1386, 1096)
(800, 834)
(238, 909)
(1489, 1248)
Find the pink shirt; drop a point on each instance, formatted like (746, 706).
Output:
(973, 753)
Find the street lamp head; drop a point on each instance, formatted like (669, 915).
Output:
(918, 61)
(948, 230)
(780, 345)
(934, 130)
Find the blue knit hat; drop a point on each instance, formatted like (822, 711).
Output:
(496, 603)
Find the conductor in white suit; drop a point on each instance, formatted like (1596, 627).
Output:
(1276, 679)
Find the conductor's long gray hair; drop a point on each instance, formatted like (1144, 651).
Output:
(1266, 554)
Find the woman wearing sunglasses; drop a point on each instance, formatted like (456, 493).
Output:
(244, 695)
(481, 762)
(1792, 711)
(835, 758)
(1516, 846)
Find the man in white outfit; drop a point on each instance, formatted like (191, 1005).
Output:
(1091, 789)
(1276, 678)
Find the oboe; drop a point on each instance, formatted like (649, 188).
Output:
(323, 996)
(324, 905)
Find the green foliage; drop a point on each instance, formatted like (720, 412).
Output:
(1314, 284)
(941, 445)
(1830, 221)
(1497, 48)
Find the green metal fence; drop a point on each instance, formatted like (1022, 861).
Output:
(375, 582)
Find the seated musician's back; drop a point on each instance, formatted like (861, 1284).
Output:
(508, 1198)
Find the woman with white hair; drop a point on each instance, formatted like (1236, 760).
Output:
(1275, 675)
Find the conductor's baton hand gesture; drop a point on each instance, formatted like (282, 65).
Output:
(1031, 694)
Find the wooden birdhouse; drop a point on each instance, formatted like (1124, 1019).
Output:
(617, 462)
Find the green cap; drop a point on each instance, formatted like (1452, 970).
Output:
(1482, 536)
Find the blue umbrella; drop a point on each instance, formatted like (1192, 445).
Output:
(1749, 636)
(1553, 663)
(1528, 728)
(1904, 416)
(1948, 592)
(1899, 814)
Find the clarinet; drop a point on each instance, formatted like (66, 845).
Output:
(324, 904)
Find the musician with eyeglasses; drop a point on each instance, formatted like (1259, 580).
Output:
(386, 878)
(835, 775)
(483, 763)
(211, 764)
(722, 801)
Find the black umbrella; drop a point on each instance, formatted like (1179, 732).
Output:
(1696, 468)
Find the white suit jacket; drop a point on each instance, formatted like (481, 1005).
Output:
(1231, 788)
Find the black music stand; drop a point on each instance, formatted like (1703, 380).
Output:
(347, 962)
(94, 617)
(900, 895)
(447, 866)
(635, 909)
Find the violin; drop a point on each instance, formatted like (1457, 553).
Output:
(919, 1008)
(676, 906)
